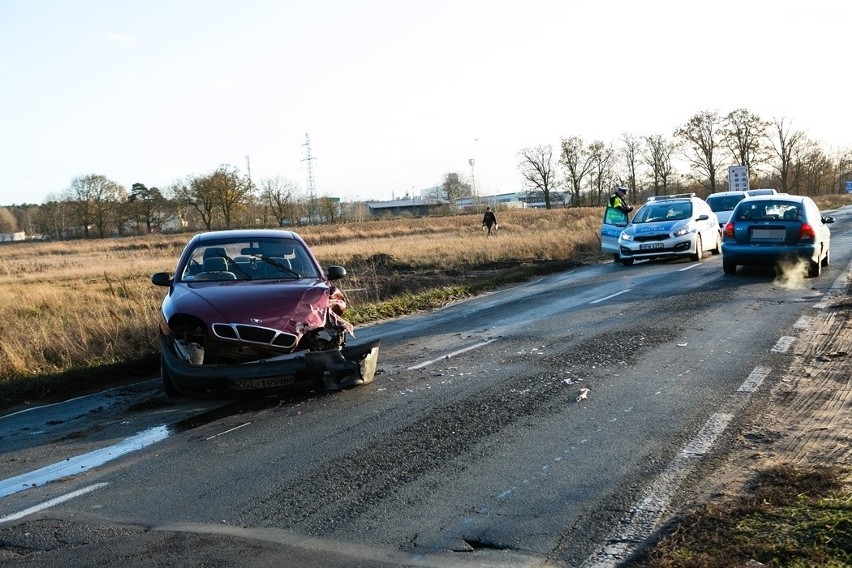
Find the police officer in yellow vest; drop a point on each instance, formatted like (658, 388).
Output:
(618, 200)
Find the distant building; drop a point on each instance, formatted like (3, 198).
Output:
(416, 206)
(420, 206)
(8, 237)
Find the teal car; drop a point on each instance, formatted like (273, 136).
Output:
(770, 229)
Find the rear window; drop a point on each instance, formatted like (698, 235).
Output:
(768, 211)
(724, 202)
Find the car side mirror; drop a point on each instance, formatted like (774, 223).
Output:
(828, 219)
(161, 279)
(703, 217)
(335, 272)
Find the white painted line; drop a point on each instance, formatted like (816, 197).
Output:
(803, 322)
(453, 354)
(644, 516)
(690, 267)
(754, 380)
(228, 431)
(51, 503)
(81, 463)
(610, 296)
(783, 344)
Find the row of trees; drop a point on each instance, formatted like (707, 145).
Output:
(95, 206)
(695, 159)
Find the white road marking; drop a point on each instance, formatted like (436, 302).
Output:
(449, 355)
(690, 267)
(753, 381)
(610, 296)
(229, 430)
(81, 463)
(641, 520)
(803, 322)
(783, 344)
(51, 503)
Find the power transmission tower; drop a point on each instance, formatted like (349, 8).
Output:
(312, 188)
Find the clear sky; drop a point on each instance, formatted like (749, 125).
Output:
(392, 93)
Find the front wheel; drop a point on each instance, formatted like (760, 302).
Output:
(699, 249)
(627, 261)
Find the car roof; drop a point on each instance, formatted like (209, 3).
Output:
(776, 197)
(675, 197)
(245, 234)
(726, 193)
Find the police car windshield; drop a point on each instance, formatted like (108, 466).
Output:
(667, 211)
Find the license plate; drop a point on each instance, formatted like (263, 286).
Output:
(250, 384)
(769, 234)
(646, 246)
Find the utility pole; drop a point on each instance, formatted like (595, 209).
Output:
(312, 189)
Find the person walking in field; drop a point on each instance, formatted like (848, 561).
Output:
(490, 221)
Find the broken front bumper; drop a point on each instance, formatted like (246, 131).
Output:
(333, 370)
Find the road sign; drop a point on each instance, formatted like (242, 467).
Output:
(848, 186)
(738, 178)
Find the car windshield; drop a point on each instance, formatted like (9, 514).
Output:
(768, 211)
(724, 202)
(264, 259)
(655, 212)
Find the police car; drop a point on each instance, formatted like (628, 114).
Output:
(666, 226)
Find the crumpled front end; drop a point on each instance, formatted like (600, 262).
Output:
(331, 369)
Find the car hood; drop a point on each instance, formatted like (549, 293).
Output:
(656, 227)
(276, 304)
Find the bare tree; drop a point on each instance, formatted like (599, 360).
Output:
(53, 217)
(278, 196)
(657, 154)
(8, 222)
(577, 161)
(814, 170)
(231, 190)
(702, 136)
(452, 189)
(630, 154)
(537, 169)
(95, 199)
(602, 163)
(785, 144)
(197, 195)
(744, 134)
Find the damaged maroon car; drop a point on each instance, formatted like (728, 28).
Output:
(252, 311)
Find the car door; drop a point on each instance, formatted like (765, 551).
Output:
(614, 221)
(709, 227)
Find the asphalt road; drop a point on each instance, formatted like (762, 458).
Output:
(556, 423)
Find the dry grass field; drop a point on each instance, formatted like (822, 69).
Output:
(86, 311)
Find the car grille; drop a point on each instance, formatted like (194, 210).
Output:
(649, 238)
(254, 334)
